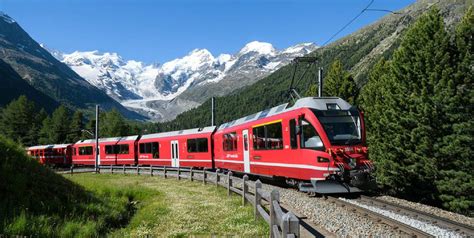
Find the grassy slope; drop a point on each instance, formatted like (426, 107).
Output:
(178, 208)
(36, 201)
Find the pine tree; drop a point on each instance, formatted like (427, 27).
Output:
(17, 119)
(34, 132)
(113, 124)
(407, 117)
(340, 83)
(60, 125)
(76, 127)
(46, 132)
(312, 91)
(456, 147)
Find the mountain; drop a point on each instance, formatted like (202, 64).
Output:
(163, 91)
(24, 57)
(358, 53)
(14, 86)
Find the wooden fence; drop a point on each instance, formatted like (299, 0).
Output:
(265, 204)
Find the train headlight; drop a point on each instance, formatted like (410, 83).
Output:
(323, 160)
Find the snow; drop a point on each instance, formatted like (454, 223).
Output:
(258, 47)
(272, 65)
(303, 48)
(127, 80)
(6, 18)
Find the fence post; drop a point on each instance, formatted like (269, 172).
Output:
(191, 174)
(111, 169)
(229, 182)
(165, 171)
(179, 173)
(138, 170)
(204, 175)
(151, 170)
(72, 169)
(293, 224)
(285, 225)
(258, 198)
(274, 196)
(245, 189)
(123, 169)
(217, 177)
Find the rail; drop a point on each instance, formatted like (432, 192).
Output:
(266, 205)
(411, 231)
(464, 229)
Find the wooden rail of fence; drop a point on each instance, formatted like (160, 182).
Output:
(265, 204)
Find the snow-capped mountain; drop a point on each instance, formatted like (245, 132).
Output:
(164, 91)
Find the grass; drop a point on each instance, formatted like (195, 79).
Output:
(172, 208)
(35, 201)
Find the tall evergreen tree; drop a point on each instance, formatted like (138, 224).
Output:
(408, 117)
(76, 127)
(35, 129)
(60, 125)
(46, 132)
(456, 147)
(17, 119)
(113, 124)
(340, 83)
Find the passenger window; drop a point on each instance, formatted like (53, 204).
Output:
(124, 149)
(309, 137)
(268, 137)
(229, 142)
(150, 148)
(197, 145)
(293, 134)
(85, 150)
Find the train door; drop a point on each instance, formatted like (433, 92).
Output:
(174, 153)
(245, 141)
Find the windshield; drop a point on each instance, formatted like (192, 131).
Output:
(341, 126)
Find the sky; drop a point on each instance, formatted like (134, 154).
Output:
(157, 31)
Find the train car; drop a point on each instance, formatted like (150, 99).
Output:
(58, 155)
(118, 150)
(83, 152)
(185, 148)
(317, 144)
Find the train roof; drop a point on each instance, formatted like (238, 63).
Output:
(318, 103)
(111, 139)
(56, 146)
(204, 130)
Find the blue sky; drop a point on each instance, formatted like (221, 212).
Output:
(158, 31)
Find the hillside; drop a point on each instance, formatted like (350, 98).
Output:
(358, 53)
(38, 202)
(13, 86)
(38, 68)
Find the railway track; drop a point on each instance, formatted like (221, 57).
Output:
(462, 229)
(409, 230)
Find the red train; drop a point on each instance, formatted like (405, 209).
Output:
(317, 144)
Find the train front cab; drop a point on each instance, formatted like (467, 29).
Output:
(294, 144)
(333, 134)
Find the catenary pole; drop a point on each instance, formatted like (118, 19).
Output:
(96, 138)
(320, 82)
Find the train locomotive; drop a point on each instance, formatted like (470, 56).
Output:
(317, 144)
